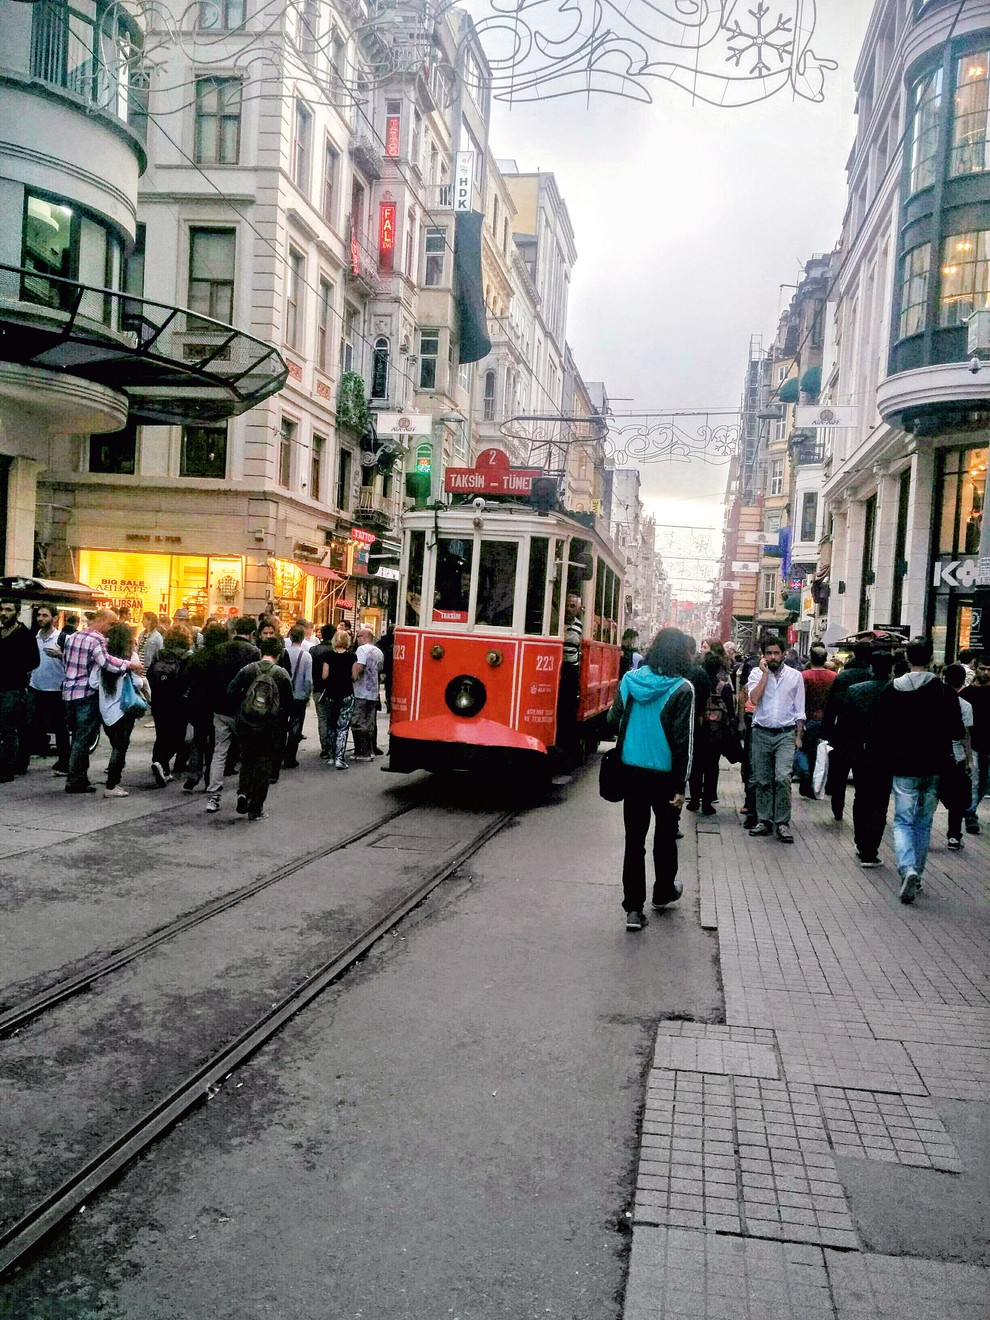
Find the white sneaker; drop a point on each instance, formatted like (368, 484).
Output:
(909, 886)
(116, 792)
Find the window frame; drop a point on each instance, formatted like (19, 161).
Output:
(915, 280)
(775, 478)
(435, 257)
(186, 469)
(345, 479)
(295, 279)
(302, 143)
(121, 443)
(431, 334)
(288, 433)
(331, 178)
(969, 297)
(926, 98)
(489, 397)
(959, 149)
(224, 14)
(809, 505)
(195, 232)
(769, 594)
(319, 447)
(219, 87)
(324, 317)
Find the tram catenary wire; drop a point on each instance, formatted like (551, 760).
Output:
(14, 1018)
(45, 1218)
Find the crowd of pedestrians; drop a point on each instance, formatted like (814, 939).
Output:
(230, 697)
(885, 718)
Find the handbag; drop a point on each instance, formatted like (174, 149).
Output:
(612, 777)
(129, 698)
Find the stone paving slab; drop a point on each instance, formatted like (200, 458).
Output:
(958, 1072)
(701, 1047)
(681, 1274)
(901, 1129)
(853, 1061)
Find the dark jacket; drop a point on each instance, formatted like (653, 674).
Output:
(18, 657)
(916, 720)
(241, 683)
(229, 660)
(837, 703)
(862, 705)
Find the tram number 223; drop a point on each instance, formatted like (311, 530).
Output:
(545, 664)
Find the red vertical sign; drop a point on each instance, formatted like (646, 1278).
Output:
(386, 235)
(392, 123)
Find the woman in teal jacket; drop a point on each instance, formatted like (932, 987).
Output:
(656, 756)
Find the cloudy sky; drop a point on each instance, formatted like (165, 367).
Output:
(688, 219)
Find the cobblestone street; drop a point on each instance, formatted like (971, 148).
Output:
(823, 1153)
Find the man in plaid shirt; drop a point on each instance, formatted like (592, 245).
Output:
(84, 650)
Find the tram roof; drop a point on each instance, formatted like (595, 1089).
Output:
(522, 517)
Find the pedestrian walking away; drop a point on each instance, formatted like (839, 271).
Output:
(228, 660)
(917, 720)
(837, 728)
(18, 660)
(198, 683)
(85, 651)
(776, 692)
(871, 777)
(817, 683)
(653, 712)
(955, 790)
(713, 731)
(168, 702)
(299, 662)
(978, 696)
(336, 706)
(366, 668)
(262, 693)
(318, 658)
(118, 712)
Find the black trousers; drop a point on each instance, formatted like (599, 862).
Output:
(704, 769)
(870, 802)
(261, 760)
(648, 795)
(955, 792)
(840, 762)
(119, 737)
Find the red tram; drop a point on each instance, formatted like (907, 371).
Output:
(480, 635)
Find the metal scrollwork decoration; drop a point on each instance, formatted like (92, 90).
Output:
(723, 52)
(662, 440)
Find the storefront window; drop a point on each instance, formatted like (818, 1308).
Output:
(965, 276)
(914, 290)
(924, 137)
(453, 580)
(290, 585)
(964, 483)
(114, 453)
(132, 582)
(496, 583)
(971, 115)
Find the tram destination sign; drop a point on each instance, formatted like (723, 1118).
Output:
(491, 475)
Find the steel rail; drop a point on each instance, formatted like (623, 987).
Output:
(49, 1214)
(14, 1018)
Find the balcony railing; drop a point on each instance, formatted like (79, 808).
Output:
(807, 447)
(174, 365)
(440, 196)
(95, 56)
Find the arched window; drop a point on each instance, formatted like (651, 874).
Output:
(489, 401)
(379, 369)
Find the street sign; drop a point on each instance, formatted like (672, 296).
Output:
(491, 476)
(826, 414)
(745, 566)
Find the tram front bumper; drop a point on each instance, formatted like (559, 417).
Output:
(445, 742)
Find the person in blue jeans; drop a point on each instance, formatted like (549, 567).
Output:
(917, 719)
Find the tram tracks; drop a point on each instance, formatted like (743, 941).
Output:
(54, 1210)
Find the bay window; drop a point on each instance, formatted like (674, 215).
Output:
(914, 290)
(971, 115)
(924, 134)
(965, 276)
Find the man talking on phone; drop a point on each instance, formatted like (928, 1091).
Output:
(777, 695)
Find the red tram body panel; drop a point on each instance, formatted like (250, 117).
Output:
(477, 671)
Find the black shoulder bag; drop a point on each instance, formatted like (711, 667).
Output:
(612, 778)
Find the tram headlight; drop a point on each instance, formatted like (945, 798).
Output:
(465, 695)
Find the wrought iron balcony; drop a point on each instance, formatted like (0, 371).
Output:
(174, 365)
(807, 446)
(94, 53)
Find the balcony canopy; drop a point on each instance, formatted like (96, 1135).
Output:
(174, 365)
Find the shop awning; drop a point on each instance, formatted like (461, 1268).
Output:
(320, 573)
(48, 591)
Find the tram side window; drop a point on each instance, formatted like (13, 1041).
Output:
(453, 581)
(536, 587)
(558, 572)
(601, 602)
(496, 583)
(614, 592)
(414, 584)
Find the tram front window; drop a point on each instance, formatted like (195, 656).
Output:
(453, 580)
(414, 587)
(496, 583)
(536, 589)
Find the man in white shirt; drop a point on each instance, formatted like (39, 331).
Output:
(298, 661)
(45, 691)
(368, 662)
(776, 693)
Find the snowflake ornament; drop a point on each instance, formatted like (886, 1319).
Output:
(763, 43)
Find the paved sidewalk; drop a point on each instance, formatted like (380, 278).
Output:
(824, 1153)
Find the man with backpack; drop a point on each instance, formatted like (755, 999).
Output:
(228, 660)
(262, 693)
